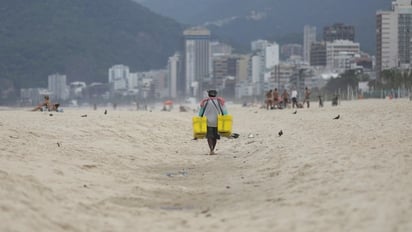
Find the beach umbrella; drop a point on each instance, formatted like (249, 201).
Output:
(168, 102)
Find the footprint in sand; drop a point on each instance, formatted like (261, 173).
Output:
(88, 166)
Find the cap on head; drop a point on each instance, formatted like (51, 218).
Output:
(212, 93)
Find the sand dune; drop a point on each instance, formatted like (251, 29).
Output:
(141, 171)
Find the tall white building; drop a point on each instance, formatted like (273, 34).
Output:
(393, 36)
(265, 59)
(154, 83)
(271, 55)
(242, 68)
(173, 70)
(256, 69)
(401, 4)
(57, 85)
(340, 54)
(309, 37)
(133, 81)
(282, 75)
(118, 77)
(198, 65)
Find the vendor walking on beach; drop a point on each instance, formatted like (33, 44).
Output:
(211, 107)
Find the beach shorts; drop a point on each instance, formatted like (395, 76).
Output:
(212, 133)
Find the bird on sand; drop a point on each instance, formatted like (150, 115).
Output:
(280, 133)
(105, 112)
(295, 112)
(337, 117)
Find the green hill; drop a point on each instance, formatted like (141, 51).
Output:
(80, 38)
(274, 19)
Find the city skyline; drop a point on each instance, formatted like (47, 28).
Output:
(205, 62)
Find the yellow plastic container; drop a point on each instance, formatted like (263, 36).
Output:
(199, 127)
(224, 125)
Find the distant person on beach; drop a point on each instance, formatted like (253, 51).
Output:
(294, 98)
(320, 101)
(275, 97)
(285, 96)
(137, 105)
(46, 105)
(182, 109)
(211, 107)
(269, 101)
(307, 97)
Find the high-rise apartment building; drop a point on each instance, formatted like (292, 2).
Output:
(198, 64)
(269, 52)
(386, 40)
(318, 54)
(133, 81)
(340, 54)
(289, 50)
(282, 74)
(265, 58)
(175, 81)
(271, 55)
(338, 31)
(256, 70)
(309, 37)
(242, 69)
(57, 85)
(224, 74)
(118, 77)
(393, 36)
(224, 66)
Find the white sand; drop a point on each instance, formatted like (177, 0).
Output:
(140, 171)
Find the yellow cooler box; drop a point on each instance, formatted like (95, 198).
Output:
(224, 125)
(199, 127)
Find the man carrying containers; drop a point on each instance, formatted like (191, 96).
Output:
(211, 107)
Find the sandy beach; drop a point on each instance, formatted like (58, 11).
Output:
(141, 171)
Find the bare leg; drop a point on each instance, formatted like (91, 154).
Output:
(37, 108)
(214, 141)
(210, 142)
(212, 145)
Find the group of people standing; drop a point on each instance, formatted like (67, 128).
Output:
(274, 100)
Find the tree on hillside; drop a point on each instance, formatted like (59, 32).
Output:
(81, 39)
